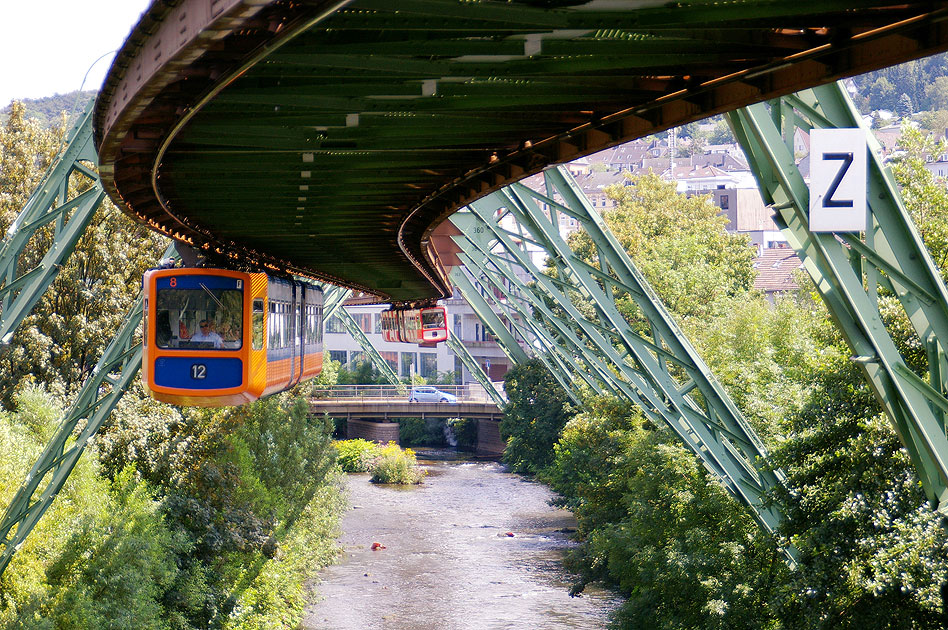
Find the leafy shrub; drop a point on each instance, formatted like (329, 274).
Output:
(357, 455)
(395, 465)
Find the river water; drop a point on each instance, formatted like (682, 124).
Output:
(449, 562)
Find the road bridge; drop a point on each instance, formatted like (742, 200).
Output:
(371, 412)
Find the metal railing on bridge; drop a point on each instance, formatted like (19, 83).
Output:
(472, 392)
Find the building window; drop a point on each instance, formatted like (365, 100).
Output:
(408, 359)
(391, 358)
(429, 365)
(725, 202)
(338, 355)
(356, 357)
(335, 325)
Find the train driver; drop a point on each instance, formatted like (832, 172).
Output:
(207, 335)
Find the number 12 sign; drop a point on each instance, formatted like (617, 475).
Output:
(837, 180)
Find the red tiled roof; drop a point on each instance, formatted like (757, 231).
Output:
(775, 269)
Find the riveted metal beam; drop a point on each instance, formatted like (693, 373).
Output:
(852, 270)
(574, 303)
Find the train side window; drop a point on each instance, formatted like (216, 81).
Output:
(257, 324)
(273, 338)
(319, 324)
(145, 323)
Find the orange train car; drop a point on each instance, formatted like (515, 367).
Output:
(215, 337)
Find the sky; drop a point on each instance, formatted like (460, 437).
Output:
(47, 46)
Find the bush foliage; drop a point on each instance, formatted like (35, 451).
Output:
(396, 465)
(356, 455)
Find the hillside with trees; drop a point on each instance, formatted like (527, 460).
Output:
(48, 111)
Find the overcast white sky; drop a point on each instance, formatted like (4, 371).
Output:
(46, 46)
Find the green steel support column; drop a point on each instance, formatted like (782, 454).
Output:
(558, 345)
(333, 299)
(517, 314)
(657, 375)
(850, 270)
(99, 395)
(488, 317)
(475, 369)
(51, 202)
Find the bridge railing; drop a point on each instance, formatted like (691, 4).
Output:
(472, 392)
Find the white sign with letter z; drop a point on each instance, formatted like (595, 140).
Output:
(838, 180)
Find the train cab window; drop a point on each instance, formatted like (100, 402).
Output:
(256, 324)
(199, 318)
(432, 318)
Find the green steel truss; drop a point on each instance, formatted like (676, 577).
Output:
(518, 310)
(575, 321)
(475, 369)
(64, 201)
(853, 271)
(100, 393)
(332, 306)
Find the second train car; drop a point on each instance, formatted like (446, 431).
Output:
(215, 337)
(424, 326)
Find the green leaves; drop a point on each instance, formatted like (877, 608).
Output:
(536, 411)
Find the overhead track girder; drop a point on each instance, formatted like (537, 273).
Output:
(663, 374)
(851, 269)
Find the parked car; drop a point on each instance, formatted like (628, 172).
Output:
(427, 393)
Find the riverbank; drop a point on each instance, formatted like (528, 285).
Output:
(472, 548)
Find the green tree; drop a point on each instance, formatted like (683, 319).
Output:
(882, 94)
(653, 524)
(679, 243)
(536, 411)
(925, 197)
(936, 93)
(871, 551)
(935, 121)
(64, 336)
(904, 107)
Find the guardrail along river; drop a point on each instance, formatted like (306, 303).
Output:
(448, 561)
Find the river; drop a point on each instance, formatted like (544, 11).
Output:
(449, 560)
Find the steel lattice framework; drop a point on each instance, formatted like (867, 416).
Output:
(853, 272)
(588, 340)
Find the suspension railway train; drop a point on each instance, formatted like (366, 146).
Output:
(425, 326)
(214, 337)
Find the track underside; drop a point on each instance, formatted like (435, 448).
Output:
(331, 138)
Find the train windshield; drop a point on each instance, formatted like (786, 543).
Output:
(203, 318)
(432, 318)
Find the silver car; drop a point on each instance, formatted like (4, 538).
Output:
(427, 393)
